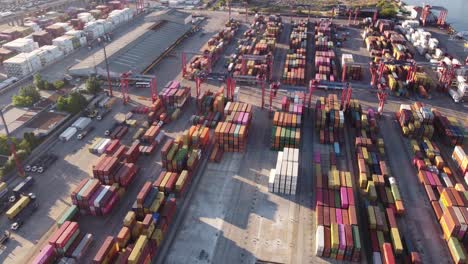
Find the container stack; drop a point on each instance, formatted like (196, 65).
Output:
(48, 54)
(42, 38)
(231, 135)
(173, 182)
(325, 65)
(22, 65)
(157, 112)
(67, 242)
(337, 234)
(19, 45)
(211, 53)
(93, 198)
(329, 119)
(448, 129)
(151, 138)
(460, 158)
(173, 95)
(210, 107)
(64, 43)
(353, 72)
(283, 178)
(286, 131)
(380, 192)
(445, 193)
(109, 171)
(294, 68)
(183, 153)
(273, 27)
(416, 120)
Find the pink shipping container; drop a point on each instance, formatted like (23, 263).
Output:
(47, 255)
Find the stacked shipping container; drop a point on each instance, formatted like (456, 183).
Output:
(231, 135)
(286, 131)
(329, 119)
(325, 65)
(283, 178)
(93, 198)
(295, 65)
(416, 121)
(337, 233)
(383, 202)
(210, 108)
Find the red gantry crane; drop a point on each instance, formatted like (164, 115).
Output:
(426, 10)
(147, 80)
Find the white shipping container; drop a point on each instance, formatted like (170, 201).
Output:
(82, 122)
(67, 134)
(319, 240)
(103, 145)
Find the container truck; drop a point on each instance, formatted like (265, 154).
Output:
(22, 187)
(25, 213)
(19, 205)
(68, 134)
(102, 114)
(85, 132)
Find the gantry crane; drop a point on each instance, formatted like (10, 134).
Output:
(440, 19)
(127, 77)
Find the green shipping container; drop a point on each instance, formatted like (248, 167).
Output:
(456, 250)
(68, 215)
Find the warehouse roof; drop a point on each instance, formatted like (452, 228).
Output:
(133, 51)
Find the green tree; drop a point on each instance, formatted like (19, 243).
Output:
(388, 12)
(21, 101)
(30, 91)
(73, 104)
(25, 145)
(38, 82)
(92, 85)
(59, 84)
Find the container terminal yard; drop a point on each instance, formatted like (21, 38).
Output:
(226, 137)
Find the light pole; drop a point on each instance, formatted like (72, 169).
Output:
(107, 67)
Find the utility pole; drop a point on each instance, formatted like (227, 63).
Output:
(107, 68)
(19, 167)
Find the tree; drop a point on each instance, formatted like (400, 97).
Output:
(59, 84)
(21, 101)
(38, 82)
(30, 91)
(25, 145)
(73, 104)
(92, 85)
(388, 12)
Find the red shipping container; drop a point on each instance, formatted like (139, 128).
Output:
(67, 234)
(55, 236)
(105, 248)
(388, 257)
(391, 218)
(143, 192)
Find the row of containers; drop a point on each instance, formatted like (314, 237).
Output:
(379, 191)
(418, 121)
(283, 178)
(329, 120)
(232, 134)
(295, 64)
(113, 173)
(428, 46)
(44, 47)
(146, 225)
(286, 139)
(259, 40)
(325, 63)
(210, 108)
(287, 123)
(447, 195)
(210, 52)
(384, 43)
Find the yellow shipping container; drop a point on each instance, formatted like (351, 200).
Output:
(17, 207)
(138, 249)
(396, 240)
(181, 180)
(157, 236)
(3, 186)
(335, 240)
(157, 202)
(129, 219)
